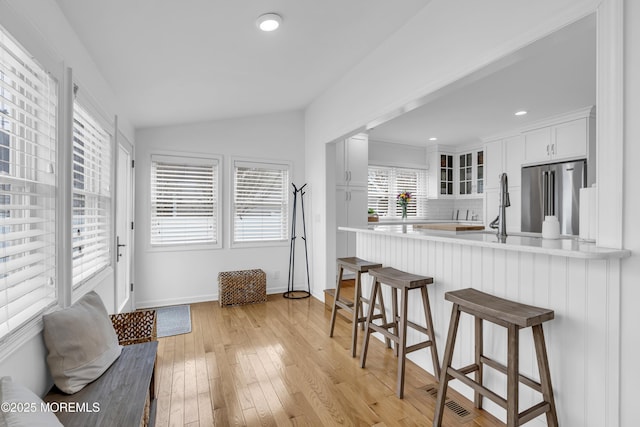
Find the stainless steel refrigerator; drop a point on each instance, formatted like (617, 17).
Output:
(552, 189)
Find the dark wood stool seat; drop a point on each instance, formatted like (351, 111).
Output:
(403, 282)
(513, 316)
(358, 266)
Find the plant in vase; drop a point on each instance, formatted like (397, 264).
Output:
(403, 200)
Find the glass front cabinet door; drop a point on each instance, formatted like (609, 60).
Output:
(471, 173)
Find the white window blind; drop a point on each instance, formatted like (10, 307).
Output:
(260, 202)
(91, 219)
(384, 185)
(27, 186)
(184, 200)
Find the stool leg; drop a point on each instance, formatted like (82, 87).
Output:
(360, 309)
(545, 375)
(356, 313)
(335, 298)
(432, 336)
(394, 318)
(513, 375)
(446, 363)
(402, 341)
(383, 312)
(367, 331)
(479, 344)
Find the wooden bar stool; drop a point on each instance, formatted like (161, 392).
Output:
(399, 280)
(513, 316)
(358, 266)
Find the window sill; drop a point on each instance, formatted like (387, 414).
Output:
(182, 248)
(247, 245)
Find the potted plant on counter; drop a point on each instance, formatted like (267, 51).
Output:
(373, 216)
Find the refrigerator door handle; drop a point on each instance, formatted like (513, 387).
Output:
(545, 193)
(552, 193)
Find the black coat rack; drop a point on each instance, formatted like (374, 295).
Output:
(291, 292)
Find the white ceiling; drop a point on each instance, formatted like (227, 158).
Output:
(174, 61)
(552, 76)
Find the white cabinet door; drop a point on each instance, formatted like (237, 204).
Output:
(493, 162)
(513, 211)
(537, 145)
(351, 211)
(357, 207)
(342, 207)
(341, 163)
(513, 160)
(352, 161)
(570, 140)
(357, 161)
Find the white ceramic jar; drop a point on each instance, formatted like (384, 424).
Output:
(550, 227)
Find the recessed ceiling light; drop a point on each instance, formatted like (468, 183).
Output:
(521, 113)
(269, 21)
(433, 138)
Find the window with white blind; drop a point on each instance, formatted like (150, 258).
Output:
(260, 210)
(184, 200)
(384, 185)
(91, 215)
(28, 104)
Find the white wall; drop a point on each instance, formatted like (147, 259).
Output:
(630, 290)
(171, 277)
(43, 30)
(393, 154)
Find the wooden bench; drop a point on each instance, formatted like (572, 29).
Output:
(118, 397)
(125, 394)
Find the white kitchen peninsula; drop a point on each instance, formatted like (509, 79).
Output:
(579, 281)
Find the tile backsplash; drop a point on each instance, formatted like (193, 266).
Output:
(445, 209)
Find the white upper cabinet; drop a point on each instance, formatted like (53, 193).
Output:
(441, 182)
(471, 173)
(352, 161)
(566, 138)
(570, 139)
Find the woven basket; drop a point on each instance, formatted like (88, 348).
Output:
(135, 327)
(242, 287)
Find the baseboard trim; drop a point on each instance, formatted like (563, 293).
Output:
(199, 298)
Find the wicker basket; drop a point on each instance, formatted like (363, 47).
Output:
(135, 327)
(242, 287)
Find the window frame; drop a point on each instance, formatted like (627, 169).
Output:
(278, 164)
(421, 196)
(200, 158)
(86, 105)
(44, 173)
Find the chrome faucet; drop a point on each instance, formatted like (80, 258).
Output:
(500, 222)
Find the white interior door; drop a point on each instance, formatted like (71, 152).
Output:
(124, 226)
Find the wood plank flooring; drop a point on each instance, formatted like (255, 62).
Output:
(273, 364)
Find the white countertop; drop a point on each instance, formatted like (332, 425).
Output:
(522, 242)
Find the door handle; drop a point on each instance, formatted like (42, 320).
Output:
(118, 246)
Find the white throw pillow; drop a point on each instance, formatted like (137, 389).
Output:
(22, 408)
(82, 343)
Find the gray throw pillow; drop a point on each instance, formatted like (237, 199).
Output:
(22, 408)
(82, 343)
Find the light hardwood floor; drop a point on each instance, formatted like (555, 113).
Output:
(274, 364)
